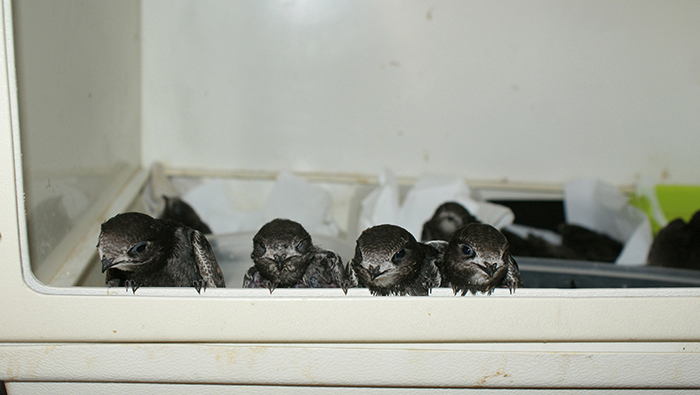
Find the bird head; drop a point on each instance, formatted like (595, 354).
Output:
(477, 251)
(130, 240)
(446, 220)
(386, 256)
(282, 251)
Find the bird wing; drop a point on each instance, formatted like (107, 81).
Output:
(342, 276)
(512, 279)
(435, 253)
(327, 271)
(206, 261)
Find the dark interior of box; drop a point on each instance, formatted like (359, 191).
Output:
(539, 272)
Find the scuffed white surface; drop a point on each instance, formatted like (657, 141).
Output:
(41, 388)
(488, 365)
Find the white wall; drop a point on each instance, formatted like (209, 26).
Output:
(526, 90)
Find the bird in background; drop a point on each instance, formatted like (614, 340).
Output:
(178, 210)
(477, 259)
(389, 261)
(284, 257)
(447, 218)
(677, 244)
(137, 250)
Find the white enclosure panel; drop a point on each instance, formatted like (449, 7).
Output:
(604, 366)
(41, 388)
(78, 80)
(528, 91)
(373, 77)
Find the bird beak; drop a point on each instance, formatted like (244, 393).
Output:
(487, 268)
(374, 272)
(280, 263)
(491, 269)
(107, 263)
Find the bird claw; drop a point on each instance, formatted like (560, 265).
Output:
(269, 285)
(429, 285)
(512, 286)
(347, 284)
(131, 284)
(464, 289)
(512, 282)
(349, 280)
(200, 285)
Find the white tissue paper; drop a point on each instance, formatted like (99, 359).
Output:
(382, 205)
(297, 199)
(211, 202)
(601, 207)
(292, 197)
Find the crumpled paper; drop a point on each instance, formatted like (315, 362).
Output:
(383, 206)
(292, 197)
(601, 207)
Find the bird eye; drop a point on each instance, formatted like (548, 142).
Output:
(400, 254)
(139, 248)
(259, 248)
(302, 246)
(467, 250)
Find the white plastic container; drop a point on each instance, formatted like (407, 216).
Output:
(517, 97)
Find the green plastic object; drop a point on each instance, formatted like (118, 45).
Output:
(678, 201)
(674, 201)
(642, 202)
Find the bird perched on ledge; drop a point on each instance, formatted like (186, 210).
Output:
(389, 261)
(138, 250)
(285, 257)
(476, 259)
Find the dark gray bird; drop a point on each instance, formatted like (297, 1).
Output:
(585, 244)
(177, 210)
(477, 259)
(449, 217)
(138, 250)
(285, 257)
(577, 242)
(677, 245)
(389, 261)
